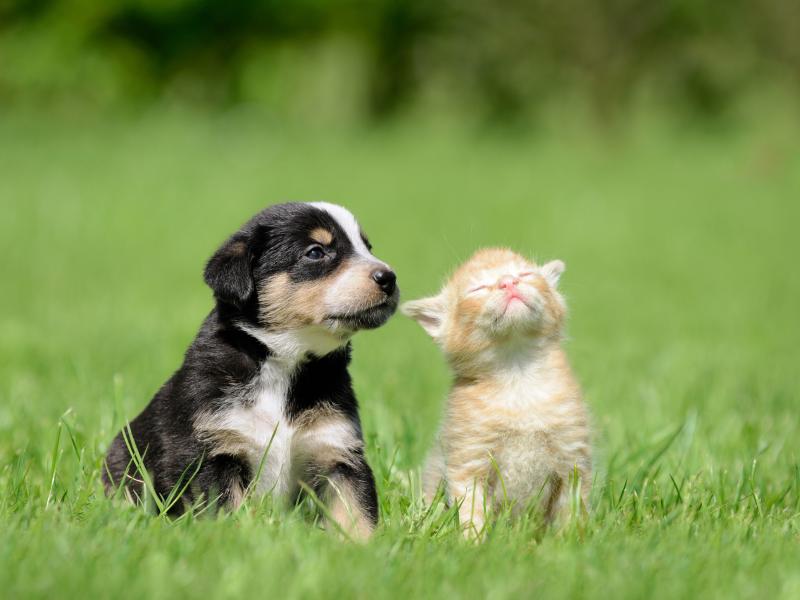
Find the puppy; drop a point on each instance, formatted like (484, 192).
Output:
(263, 400)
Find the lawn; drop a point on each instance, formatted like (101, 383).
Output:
(681, 249)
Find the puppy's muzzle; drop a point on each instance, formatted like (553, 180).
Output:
(379, 311)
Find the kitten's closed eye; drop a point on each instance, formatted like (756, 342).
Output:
(486, 286)
(477, 289)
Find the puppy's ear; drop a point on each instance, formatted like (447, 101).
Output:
(229, 272)
(552, 271)
(428, 312)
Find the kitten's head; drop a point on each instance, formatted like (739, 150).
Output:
(496, 297)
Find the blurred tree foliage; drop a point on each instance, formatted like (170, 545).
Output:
(499, 57)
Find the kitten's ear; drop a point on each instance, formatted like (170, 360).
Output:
(552, 271)
(428, 312)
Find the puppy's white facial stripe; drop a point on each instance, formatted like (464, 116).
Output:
(348, 223)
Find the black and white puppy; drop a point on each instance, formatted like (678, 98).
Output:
(264, 392)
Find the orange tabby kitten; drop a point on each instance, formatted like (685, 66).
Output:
(515, 425)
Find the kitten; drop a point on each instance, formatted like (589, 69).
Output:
(515, 426)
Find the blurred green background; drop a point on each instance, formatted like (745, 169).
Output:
(335, 60)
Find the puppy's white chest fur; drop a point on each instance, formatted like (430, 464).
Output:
(254, 427)
(262, 421)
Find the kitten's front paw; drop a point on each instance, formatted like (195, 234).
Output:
(474, 532)
(473, 525)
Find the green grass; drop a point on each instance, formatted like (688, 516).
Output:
(682, 280)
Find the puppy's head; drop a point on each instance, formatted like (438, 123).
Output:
(306, 269)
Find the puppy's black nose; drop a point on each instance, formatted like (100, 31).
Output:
(386, 280)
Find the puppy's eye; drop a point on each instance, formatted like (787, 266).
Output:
(527, 274)
(315, 253)
(477, 289)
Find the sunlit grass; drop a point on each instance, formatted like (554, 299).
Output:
(682, 286)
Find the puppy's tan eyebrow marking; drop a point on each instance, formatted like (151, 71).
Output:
(322, 236)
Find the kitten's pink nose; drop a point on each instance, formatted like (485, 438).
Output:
(508, 283)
